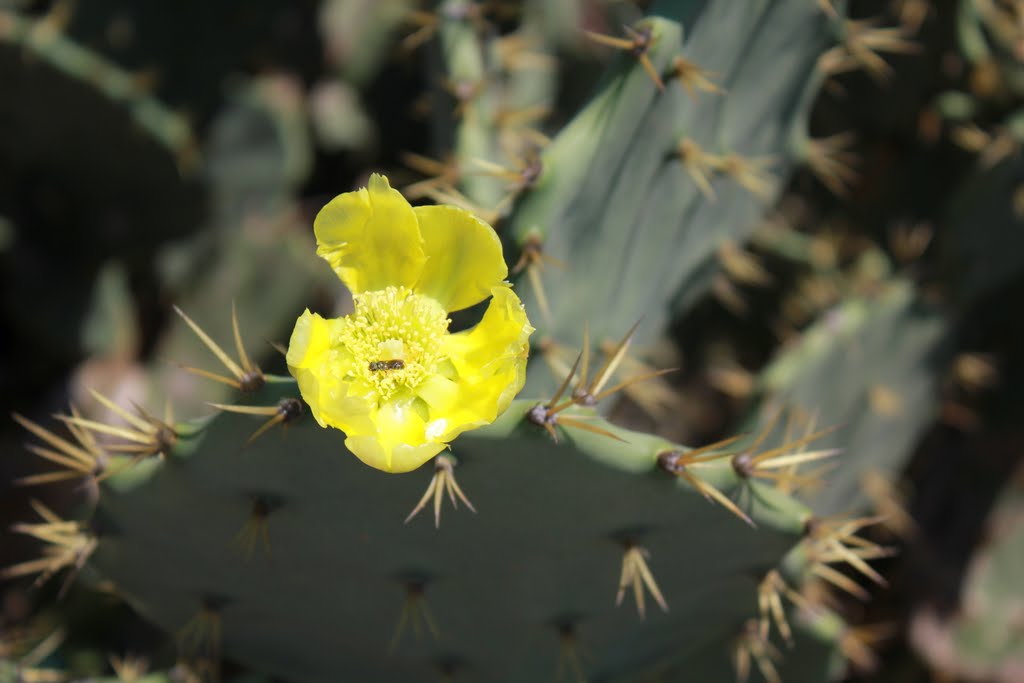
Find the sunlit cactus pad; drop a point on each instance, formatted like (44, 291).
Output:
(648, 183)
(528, 582)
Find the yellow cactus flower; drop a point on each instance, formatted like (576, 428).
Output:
(391, 375)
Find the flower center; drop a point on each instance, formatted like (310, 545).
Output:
(393, 339)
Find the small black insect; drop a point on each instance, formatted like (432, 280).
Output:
(377, 365)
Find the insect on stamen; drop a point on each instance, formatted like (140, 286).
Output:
(379, 365)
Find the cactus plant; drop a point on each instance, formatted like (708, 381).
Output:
(663, 167)
(543, 549)
(273, 522)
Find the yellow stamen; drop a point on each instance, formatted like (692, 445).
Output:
(392, 324)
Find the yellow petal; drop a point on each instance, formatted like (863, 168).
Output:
(456, 407)
(311, 338)
(351, 413)
(309, 345)
(371, 238)
(501, 334)
(464, 258)
(400, 443)
(318, 369)
(490, 362)
(403, 458)
(406, 458)
(370, 450)
(440, 393)
(397, 423)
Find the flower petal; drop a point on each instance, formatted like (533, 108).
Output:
(464, 258)
(403, 458)
(309, 345)
(371, 238)
(406, 458)
(400, 443)
(501, 335)
(318, 369)
(490, 361)
(352, 414)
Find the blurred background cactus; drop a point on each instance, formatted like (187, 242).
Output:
(771, 250)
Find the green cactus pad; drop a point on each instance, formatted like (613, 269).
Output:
(615, 198)
(541, 559)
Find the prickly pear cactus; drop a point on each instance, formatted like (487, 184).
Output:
(274, 517)
(580, 550)
(288, 529)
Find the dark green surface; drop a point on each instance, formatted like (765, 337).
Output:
(543, 548)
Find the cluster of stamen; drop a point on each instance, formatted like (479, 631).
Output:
(393, 339)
